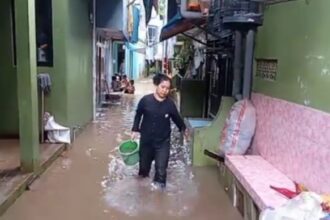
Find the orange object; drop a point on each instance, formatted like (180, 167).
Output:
(326, 203)
(300, 188)
(194, 7)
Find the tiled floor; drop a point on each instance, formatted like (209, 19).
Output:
(11, 177)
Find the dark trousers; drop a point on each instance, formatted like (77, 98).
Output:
(154, 150)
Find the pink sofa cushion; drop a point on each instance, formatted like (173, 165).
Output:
(295, 139)
(256, 175)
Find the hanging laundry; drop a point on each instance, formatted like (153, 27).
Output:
(44, 82)
(148, 8)
(136, 23)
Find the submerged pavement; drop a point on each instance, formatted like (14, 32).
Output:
(90, 181)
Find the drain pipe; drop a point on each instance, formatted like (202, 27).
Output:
(248, 64)
(237, 81)
(188, 14)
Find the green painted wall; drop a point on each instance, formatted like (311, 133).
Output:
(79, 63)
(297, 34)
(56, 102)
(209, 137)
(71, 96)
(8, 84)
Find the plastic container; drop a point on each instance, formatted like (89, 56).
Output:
(129, 151)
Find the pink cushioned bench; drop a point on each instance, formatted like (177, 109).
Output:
(291, 143)
(256, 175)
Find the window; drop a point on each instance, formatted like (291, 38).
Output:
(44, 32)
(152, 35)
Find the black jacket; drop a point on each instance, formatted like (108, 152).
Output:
(156, 117)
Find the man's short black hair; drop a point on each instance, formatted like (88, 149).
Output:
(159, 78)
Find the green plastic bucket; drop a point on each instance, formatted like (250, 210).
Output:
(129, 151)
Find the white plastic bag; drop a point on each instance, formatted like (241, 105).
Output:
(57, 133)
(305, 206)
(239, 128)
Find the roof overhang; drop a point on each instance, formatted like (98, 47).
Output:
(178, 24)
(111, 34)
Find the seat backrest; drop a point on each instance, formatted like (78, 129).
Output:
(295, 139)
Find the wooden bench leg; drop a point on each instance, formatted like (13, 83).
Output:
(250, 209)
(254, 211)
(247, 204)
(244, 203)
(226, 180)
(238, 195)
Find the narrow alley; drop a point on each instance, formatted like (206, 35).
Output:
(89, 181)
(250, 80)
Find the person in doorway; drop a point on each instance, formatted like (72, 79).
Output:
(156, 110)
(122, 68)
(115, 84)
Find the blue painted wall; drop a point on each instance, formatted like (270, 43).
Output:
(135, 61)
(127, 58)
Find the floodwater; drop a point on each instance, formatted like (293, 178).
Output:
(90, 181)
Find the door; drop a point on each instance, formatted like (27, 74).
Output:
(221, 81)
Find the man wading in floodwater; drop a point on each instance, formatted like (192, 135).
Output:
(156, 111)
